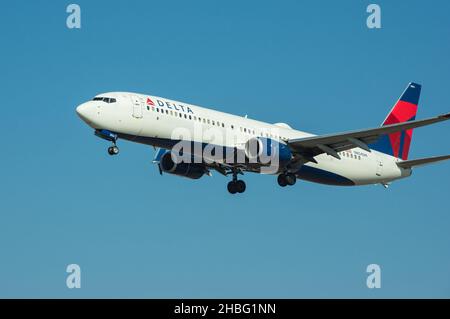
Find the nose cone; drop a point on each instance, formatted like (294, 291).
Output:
(86, 112)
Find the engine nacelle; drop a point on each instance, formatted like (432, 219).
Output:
(189, 170)
(267, 151)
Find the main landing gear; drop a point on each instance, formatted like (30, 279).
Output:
(286, 179)
(236, 186)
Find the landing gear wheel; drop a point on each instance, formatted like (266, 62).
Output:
(282, 180)
(113, 150)
(232, 189)
(240, 186)
(290, 179)
(236, 186)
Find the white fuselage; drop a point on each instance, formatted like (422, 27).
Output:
(159, 121)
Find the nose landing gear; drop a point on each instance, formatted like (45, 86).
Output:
(113, 150)
(109, 136)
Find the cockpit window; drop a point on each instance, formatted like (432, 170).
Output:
(105, 99)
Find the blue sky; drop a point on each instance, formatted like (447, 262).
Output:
(312, 64)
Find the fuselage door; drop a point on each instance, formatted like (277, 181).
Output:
(138, 104)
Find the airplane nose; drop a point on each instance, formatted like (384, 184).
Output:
(81, 109)
(86, 111)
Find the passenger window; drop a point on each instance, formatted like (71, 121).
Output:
(190, 117)
(181, 115)
(185, 116)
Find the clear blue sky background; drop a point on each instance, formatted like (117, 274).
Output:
(312, 64)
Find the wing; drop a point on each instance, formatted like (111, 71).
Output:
(422, 161)
(331, 144)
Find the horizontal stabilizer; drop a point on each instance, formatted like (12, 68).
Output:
(422, 161)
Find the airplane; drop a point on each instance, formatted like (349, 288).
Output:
(192, 141)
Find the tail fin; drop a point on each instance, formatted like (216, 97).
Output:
(405, 110)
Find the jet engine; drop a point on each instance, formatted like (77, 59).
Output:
(189, 170)
(265, 151)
